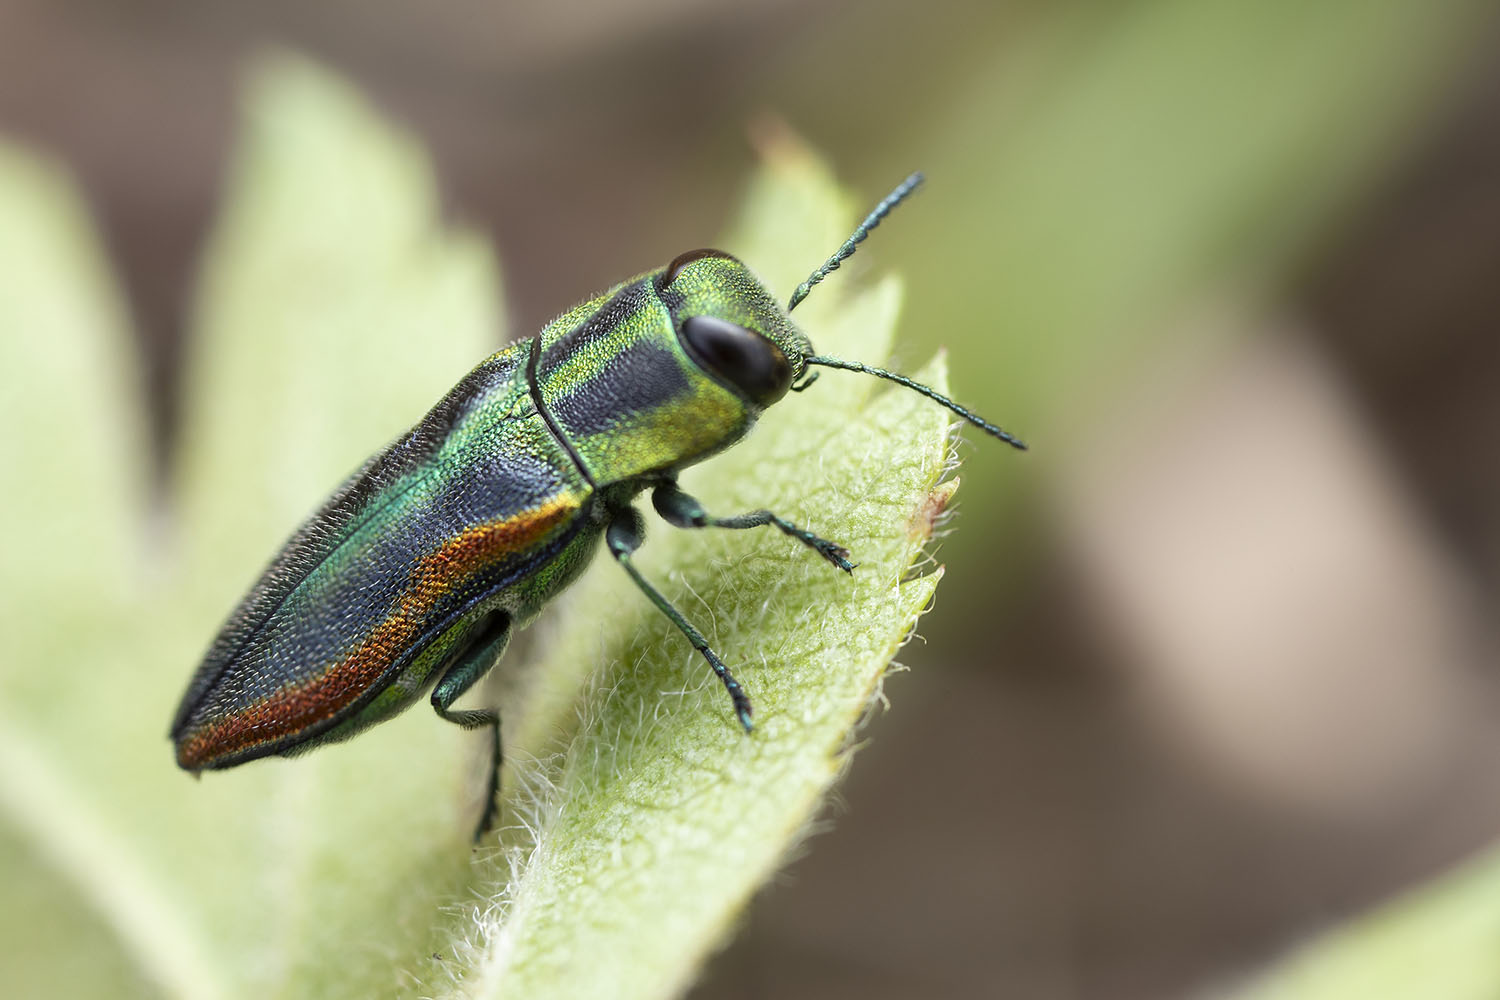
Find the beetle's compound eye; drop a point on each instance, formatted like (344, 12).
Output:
(741, 357)
(682, 260)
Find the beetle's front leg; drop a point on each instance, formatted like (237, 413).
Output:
(684, 511)
(624, 536)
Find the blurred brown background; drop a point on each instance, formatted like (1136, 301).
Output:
(1215, 665)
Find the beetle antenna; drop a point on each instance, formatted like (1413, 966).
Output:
(928, 391)
(846, 251)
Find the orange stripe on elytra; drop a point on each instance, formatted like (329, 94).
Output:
(295, 708)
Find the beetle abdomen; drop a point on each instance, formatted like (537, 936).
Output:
(295, 682)
(474, 498)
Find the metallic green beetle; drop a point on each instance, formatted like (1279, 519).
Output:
(414, 574)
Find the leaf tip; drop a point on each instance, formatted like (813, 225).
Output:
(932, 511)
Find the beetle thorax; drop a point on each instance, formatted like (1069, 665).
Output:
(624, 395)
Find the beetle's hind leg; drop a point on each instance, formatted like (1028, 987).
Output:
(489, 642)
(683, 511)
(623, 537)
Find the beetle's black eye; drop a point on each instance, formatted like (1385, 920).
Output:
(741, 357)
(682, 260)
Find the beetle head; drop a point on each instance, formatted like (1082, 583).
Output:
(731, 326)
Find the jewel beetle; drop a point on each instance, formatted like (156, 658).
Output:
(412, 577)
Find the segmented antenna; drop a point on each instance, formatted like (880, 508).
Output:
(928, 391)
(846, 251)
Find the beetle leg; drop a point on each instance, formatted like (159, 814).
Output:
(623, 537)
(684, 511)
(488, 644)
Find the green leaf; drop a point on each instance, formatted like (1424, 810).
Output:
(1438, 941)
(69, 463)
(334, 309)
(648, 818)
(1106, 168)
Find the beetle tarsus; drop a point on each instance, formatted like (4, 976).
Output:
(684, 511)
(489, 642)
(491, 811)
(623, 536)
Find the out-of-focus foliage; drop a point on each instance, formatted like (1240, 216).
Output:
(334, 309)
(1438, 941)
(1119, 163)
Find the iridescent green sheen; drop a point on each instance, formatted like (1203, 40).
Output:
(416, 572)
(683, 417)
(423, 563)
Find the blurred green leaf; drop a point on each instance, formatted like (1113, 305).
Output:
(335, 310)
(1443, 940)
(1104, 169)
(69, 465)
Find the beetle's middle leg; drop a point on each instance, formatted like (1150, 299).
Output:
(489, 642)
(623, 536)
(684, 511)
